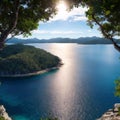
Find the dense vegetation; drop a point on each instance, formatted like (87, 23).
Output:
(22, 59)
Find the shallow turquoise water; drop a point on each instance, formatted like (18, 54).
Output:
(82, 89)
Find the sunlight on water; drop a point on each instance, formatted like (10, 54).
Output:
(82, 89)
(63, 88)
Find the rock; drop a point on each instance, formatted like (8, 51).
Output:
(111, 114)
(116, 107)
(3, 113)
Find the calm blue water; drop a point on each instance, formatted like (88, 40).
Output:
(82, 89)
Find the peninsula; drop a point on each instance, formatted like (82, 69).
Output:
(23, 60)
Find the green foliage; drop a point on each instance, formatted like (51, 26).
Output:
(49, 119)
(30, 12)
(22, 16)
(117, 88)
(119, 110)
(1, 118)
(22, 59)
(104, 13)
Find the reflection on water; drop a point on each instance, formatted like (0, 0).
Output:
(82, 89)
(63, 85)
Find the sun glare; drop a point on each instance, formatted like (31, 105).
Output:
(61, 7)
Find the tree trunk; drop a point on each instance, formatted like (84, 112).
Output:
(3, 37)
(1, 45)
(5, 34)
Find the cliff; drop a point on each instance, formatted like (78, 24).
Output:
(112, 114)
(3, 113)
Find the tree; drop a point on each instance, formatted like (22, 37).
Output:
(22, 16)
(104, 13)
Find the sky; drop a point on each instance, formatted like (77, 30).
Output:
(65, 24)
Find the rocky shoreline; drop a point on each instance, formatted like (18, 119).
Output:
(3, 113)
(112, 114)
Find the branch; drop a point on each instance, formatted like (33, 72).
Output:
(11, 28)
(16, 16)
(117, 47)
(10, 38)
(101, 27)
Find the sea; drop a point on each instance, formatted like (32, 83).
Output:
(81, 89)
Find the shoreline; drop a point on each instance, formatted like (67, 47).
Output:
(111, 114)
(33, 73)
(4, 114)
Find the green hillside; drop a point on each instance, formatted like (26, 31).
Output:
(23, 59)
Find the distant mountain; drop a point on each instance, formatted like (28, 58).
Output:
(82, 40)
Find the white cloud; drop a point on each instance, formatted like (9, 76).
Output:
(54, 32)
(79, 18)
(90, 31)
(76, 14)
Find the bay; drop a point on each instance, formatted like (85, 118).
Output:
(82, 89)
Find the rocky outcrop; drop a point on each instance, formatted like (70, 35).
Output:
(3, 113)
(112, 114)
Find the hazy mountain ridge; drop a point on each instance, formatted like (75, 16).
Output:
(82, 40)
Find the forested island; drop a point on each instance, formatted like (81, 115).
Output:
(23, 60)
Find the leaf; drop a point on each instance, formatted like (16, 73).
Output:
(107, 12)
